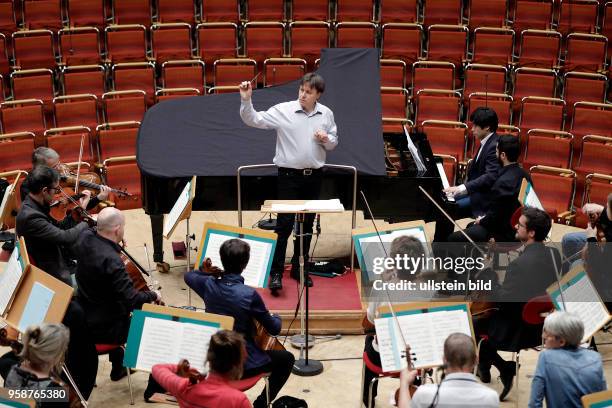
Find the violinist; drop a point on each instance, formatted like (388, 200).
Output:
(526, 277)
(45, 237)
(105, 291)
(227, 294)
(459, 387)
(225, 358)
(45, 156)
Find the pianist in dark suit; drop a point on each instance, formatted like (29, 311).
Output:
(473, 198)
(504, 202)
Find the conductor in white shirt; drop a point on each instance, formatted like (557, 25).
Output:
(305, 131)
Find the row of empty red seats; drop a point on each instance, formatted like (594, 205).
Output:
(566, 16)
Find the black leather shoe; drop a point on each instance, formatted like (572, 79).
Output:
(276, 283)
(507, 375)
(484, 374)
(118, 373)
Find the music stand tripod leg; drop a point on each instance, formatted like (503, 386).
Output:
(304, 367)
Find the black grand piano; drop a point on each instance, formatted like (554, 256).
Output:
(204, 136)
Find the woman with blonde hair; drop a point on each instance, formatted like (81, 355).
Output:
(44, 347)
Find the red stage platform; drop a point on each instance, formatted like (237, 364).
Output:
(335, 304)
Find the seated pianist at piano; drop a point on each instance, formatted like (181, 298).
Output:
(473, 198)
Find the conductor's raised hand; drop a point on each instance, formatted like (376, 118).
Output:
(246, 90)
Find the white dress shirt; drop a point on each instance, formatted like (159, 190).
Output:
(296, 145)
(457, 390)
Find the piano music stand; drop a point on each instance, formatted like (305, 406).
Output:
(303, 366)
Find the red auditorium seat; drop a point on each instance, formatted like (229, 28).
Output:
(84, 79)
(450, 167)
(585, 52)
(80, 46)
(82, 13)
(66, 142)
(176, 11)
(500, 103)
(577, 16)
(540, 113)
(533, 82)
(607, 24)
(231, 72)
(354, 10)
(135, 75)
(131, 12)
(392, 73)
(76, 110)
(184, 74)
(33, 84)
(7, 18)
(355, 35)
(595, 155)
(265, 10)
(16, 151)
(403, 42)
(487, 13)
(4, 58)
(116, 139)
(591, 119)
(447, 138)
(442, 12)
(42, 14)
(310, 10)
(508, 130)
(394, 108)
(532, 14)
(216, 41)
(278, 71)
(398, 11)
(171, 41)
(484, 78)
(34, 49)
(437, 104)
(123, 173)
(220, 11)
(598, 186)
(447, 43)
(555, 188)
(493, 46)
(432, 75)
(582, 86)
(307, 39)
(539, 49)
(165, 94)
(549, 148)
(126, 43)
(264, 40)
(2, 91)
(124, 106)
(23, 116)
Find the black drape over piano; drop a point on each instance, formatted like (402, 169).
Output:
(204, 136)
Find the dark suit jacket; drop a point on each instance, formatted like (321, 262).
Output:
(504, 202)
(46, 238)
(527, 276)
(481, 175)
(105, 291)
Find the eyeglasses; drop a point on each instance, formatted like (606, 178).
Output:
(55, 190)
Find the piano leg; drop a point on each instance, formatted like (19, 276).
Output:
(157, 230)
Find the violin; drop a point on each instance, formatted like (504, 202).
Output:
(264, 340)
(137, 274)
(183, 369)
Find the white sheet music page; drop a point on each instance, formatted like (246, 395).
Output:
(9, 280)
(159, 343)
(179, 206)
(194, 344)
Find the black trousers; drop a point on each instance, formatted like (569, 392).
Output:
(444, 227)
(279, 369)
(294, 185)
(374, 357)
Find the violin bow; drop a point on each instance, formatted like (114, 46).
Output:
(76, 184)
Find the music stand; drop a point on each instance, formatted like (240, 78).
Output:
(9, 207)
(303, 366)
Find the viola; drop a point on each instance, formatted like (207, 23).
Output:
(184, 370)
(137, 273)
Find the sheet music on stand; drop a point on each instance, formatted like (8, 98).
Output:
(181, 208)
(425, 327)
(8, 201)
(528, 196)
(581, 298)
(418, 160)
(12, 275)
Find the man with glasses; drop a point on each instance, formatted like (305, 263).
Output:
(46, 237)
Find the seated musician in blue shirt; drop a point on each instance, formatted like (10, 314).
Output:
(225, 293)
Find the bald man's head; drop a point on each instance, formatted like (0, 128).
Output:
(459, 352)
(110, 224)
